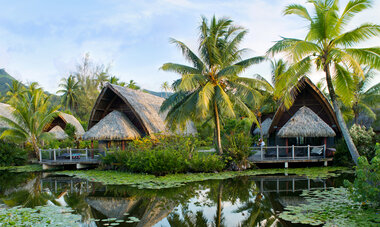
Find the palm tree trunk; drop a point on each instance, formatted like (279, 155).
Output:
(343, 127)
(35, 147)
(217, 129)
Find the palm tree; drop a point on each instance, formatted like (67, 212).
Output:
(69, 92)
(165, 87)
(208, 87)
(331, 49)
(114, 80)
(132, 85)
(16, 90)
(102, 78)
(31, 113)
(365, 99)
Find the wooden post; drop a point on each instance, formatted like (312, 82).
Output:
(308, 151)
(71, 157)
(261, 152)
(324, 151)
(123, 145)
(40, 156)
(55, 156)
(92, 144)
(293, 152)
(277, 152)
(286, 144)
(86, 153)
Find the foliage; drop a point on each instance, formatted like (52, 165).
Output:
(366, 187)
(175, 180)
(342, 155)
(70, 130)
(364, 140)
(162, 155)
(54, 143)
(237, 141)
(31, 113)
(332, 207)
(208, 88)
(331, 48)
(38, 216)
(70, 88)
(11, 154)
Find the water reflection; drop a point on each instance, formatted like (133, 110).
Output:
(242, 201)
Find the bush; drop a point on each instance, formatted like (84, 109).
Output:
(364, 140)
(366, 187)
(70, 130)
(237, 142)
(11, 154)
(342, 156)
(162, 155)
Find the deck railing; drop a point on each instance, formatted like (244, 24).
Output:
(291, 152)
(71, 155)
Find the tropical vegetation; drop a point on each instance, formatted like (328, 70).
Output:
(331, 48)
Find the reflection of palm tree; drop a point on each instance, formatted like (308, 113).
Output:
(78, 203)
(189, 219)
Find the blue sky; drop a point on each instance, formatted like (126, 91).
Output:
(43, 40)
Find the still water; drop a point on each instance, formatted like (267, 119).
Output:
(240, 201)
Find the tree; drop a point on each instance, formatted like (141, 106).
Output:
(114, 80)
(364, 98)
(31, 114)
(132, 85)
(331, 48)
(102, 78)
(69, 92)
(207, 87)
(165, 87)
(16, 90)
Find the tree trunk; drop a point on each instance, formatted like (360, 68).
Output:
(35, 147)
(217, 129)
(343, 127)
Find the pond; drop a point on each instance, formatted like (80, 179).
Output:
(238, 201)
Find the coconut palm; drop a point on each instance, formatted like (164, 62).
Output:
(132, 85)
(165, 87)
(331, 48)
(102, 78)
(31, 113)
(207, 88)
(69, 92)
(365, 99)
(114, 80)
(16, 89)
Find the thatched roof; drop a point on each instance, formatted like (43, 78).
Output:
(5, 111)
(265, 127)
(68, 118)
(305, 123)
(58, 133)
(316, 96)
(141, 108)
(114, 126)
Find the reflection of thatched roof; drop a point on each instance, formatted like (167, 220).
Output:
(306, 123)
(5, 111)
(265, 127)
(114, 126)
(72, 120)
(58, 133)
(112, 207)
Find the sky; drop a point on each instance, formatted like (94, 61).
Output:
(43, 41)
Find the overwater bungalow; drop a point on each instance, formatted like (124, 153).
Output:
(122, 114)
(310, 121)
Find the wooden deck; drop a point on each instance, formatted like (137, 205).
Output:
(81, 158)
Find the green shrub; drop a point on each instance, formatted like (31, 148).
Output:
(342, 156)
(366, 187)
(162, 155)
(237, 142)
(11, 154)
(364, 140)
(70, 130)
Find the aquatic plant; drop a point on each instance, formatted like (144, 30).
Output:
(331, 207)
(19, 169)
(176, 180)
(38, 216)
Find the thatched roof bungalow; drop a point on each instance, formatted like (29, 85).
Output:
(121, 114)
(309, 121)
(58, 133)
(62, 120)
